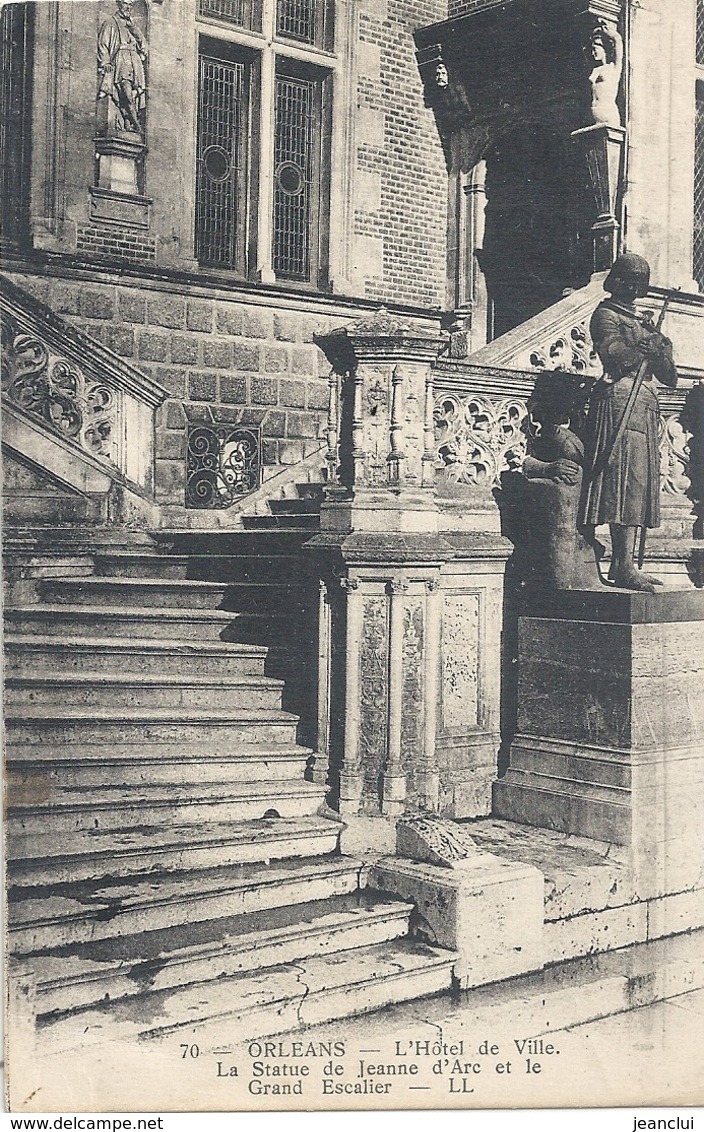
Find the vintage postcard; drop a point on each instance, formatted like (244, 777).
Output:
(353, 542)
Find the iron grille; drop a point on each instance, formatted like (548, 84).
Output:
(698, 270)
(243, 13)
(700, 33)
(296, 130)
(297, 19)
(222, 465)
(221, 173)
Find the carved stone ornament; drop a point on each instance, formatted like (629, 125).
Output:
(434, 840)
(477, 438)
(604, 59)
(381, 324)
(570, 351)
(56, 392)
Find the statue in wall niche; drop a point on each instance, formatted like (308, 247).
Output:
(622, 482)
(122, 55)
(550, 552)
(604, 57)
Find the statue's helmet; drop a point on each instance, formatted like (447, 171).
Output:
(629, 268)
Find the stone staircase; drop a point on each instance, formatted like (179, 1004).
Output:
(170, 856)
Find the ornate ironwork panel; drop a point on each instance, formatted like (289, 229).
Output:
(57, 393)
(223, 464)
(296, 134)
(222, 162)
(698, 265)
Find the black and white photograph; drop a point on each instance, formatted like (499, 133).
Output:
(353, 555)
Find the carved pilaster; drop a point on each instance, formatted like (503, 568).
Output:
(351, 773)
(396, 455)
(394, 774)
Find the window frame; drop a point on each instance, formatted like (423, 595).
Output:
(269, 54)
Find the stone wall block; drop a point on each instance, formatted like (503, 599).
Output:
(153, 347)
(287, 326)
(218, 355)
(97, 304)
(172, 379)
(293, 394)
(301, 425)
(270, 452)
(174, 416)
(264, 391)
(317, 395)
(233, 390)
(202, 387)
(251, 418)
(228, 319)
(199, 316)
(276, 359)
(184, 349)
(171, 445)
(168, 311)
(275, 423)
(119, 339)
(290, 451)
(131, 307)
(304, 360)
(169, 480)
(66, 298)
(257, 322)
(246, 356)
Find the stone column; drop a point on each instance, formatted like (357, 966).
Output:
(603, 148)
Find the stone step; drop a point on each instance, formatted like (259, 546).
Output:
(48, 653)
(129, 807)
(282, 522)
(139, 621)
(40, 859)
(279, 998)
(42, 920)
(232, 947)
(299, 506)
(258, 543)
(160, 593)
(28, 723)
(33, 770)
(148, 690)
(226, 568)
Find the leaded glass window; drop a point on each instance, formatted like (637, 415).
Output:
(308, 21)
(242, 13)
(700, 33)
(295, 166)
(222, 162)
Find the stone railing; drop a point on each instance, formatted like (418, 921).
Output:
(68, 386)
(479, 428)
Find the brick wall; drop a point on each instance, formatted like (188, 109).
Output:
(115, 242)
(406, 217)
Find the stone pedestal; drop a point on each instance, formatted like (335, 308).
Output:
(610, 738)
(408, 703)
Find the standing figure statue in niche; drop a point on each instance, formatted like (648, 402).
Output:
(604, 56)
(622, 480)
(122, 54)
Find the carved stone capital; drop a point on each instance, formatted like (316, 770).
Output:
(397, 586)
(349, 585)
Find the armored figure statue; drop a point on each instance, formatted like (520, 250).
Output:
(122, 54)
(604, 56)
(622, 479)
